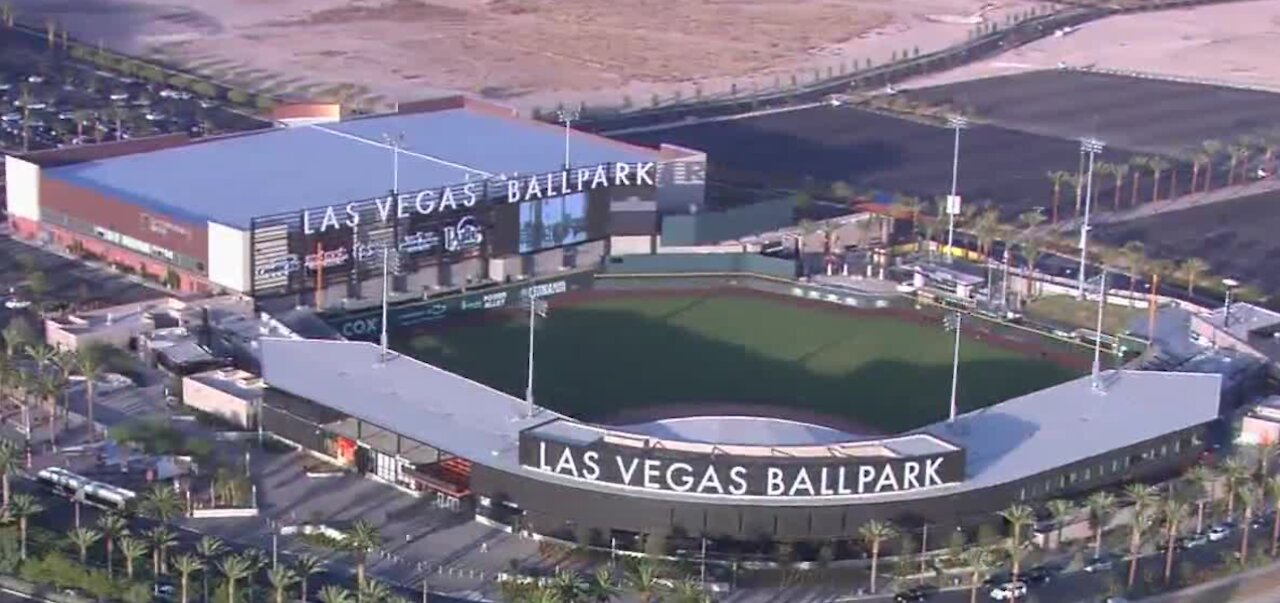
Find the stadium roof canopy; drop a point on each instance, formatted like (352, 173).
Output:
(232, 180)
(1010, 441)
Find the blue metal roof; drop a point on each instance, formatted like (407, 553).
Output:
(233, 180)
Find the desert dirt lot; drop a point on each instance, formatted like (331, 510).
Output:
(527, 52)
(1227, 43)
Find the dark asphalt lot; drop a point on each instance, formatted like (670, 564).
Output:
(874, 151)
(1238, 238)
(68, 280)
(1154, 116)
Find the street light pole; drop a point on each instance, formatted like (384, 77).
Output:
(567, 117)
(1097, 333)
(1092, 146)
(395, 142)
(952, 323)
(956, 122)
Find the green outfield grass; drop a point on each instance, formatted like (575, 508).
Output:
(595, 358)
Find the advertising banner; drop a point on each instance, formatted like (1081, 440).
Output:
(367, 324)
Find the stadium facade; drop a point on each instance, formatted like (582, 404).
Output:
(729, 479)
(462, 190)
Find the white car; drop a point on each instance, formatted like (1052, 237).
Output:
(1009, 590)
(1219, 532)
(14, 303)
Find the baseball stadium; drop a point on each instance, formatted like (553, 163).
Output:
(513, 334)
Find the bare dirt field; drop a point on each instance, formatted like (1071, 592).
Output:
(527, 52)
(1226, 43)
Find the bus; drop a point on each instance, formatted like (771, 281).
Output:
(90, 492)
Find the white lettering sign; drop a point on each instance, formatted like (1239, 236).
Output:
(558, 184)
(710, 477)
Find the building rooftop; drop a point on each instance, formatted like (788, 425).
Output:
(241, 384)
(1016, 439)
(232, 180)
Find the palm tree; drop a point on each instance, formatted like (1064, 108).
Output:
(1142, 497)
(161, 503)
(1198, 159)
(931, 221)
(1138, 163)
(980, 562)
(600, 588)
(207, 548)
(1172, 510)
(112, 526)
(374, 591)
(306, 566)
(89, 364)
(986, 229)
(1234, 473)
(1060, 509)
(1210, 149)
(48, 386)
(361, 539)
(568, 587)
(23, 506)
(83, 538)
(1157, 165)
(682, 591)
(1057, 177)
(1190, 270)
(1134, 254)
(1266, 450)
(9, 464)
(1100, 505)
(1249, 494)
(133, 549)
(187, 564)
(873, 534)
(234, 568)
(1019, 516)
(1120, 171)
(1271, 488)
(161, 539)
(643, 579)
(910, 206)
(334, 594)
(1237, 154)
(1200, 480)
(281, 578)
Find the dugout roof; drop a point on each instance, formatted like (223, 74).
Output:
(234, 179)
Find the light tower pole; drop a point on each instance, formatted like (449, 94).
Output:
(567, 117)
(537, 307)
(396, 143)
(1092, 147)
(957, 123)
(952, 323)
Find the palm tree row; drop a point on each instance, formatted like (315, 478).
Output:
(45, 376)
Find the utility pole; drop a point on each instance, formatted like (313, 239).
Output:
(1092, 147)
(956, 122)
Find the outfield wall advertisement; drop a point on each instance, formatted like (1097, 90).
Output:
(728, 475)
(367, 324)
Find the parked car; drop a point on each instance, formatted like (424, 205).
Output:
(913, 595)
(1037, 575)
(1193, 541)
(1219, 532)
(1009, 590)
(1100, 563)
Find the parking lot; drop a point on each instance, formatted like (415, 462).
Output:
(66, 282)
(50, 100)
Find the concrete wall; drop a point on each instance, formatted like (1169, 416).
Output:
(22, 186)
(214, 401)
(677, 263)
(229, 258)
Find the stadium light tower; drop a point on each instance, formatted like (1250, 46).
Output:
(537, 307)
(396, 143)
(567, 117)
(952, 323)
(1096, 369)
(957, 123)
(390, 265)
(1092, 147)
